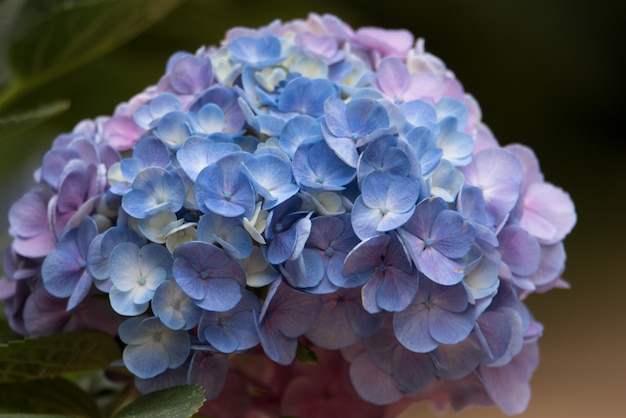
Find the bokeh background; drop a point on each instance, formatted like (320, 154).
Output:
(549, 74)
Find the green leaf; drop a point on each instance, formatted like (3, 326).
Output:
(177, 402)
(18, 415)
(9, 12)
(74, 32)
(53, 37)
(16, 123)
(7, 334)
(57, 354)
(305, 354)
(49, 396)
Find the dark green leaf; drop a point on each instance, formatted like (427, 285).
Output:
(7, 334)
(19, 415)
(77, 31)
(49, 396)
(16, 123)
(305, 354)
(177, 402)
(54, 355)
(52, 37)
(9, 11)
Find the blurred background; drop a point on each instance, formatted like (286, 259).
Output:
(549, 74)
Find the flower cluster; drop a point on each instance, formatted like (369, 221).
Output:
(302, 188)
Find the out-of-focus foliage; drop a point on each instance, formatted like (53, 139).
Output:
(40, 40)
(47, 396)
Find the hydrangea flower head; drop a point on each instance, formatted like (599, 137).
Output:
(300, 188)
